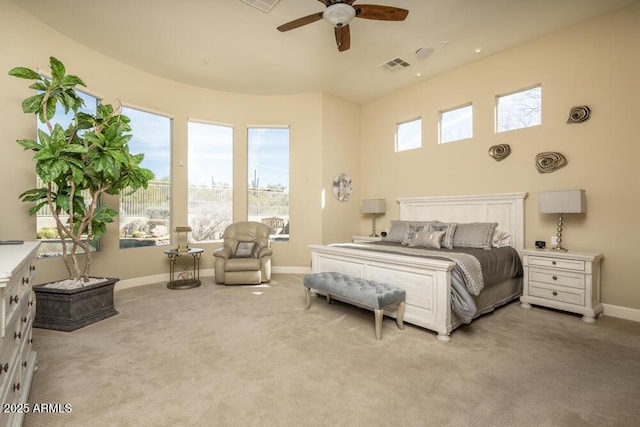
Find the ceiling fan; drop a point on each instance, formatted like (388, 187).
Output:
(340, 12)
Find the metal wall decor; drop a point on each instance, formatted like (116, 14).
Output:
(500, 152)
(579, 114)
(550, 162)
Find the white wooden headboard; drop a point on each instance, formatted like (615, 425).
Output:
(507, 209)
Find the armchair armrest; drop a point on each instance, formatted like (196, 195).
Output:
(264, 252)
(223, 252)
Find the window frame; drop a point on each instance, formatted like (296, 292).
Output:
(282, 228)
(441, 115)
(190, 190)
(398, 134)
(148, 241)
(497, 125)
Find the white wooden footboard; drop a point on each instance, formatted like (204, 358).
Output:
(426, 281)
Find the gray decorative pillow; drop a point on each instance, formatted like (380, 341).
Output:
(427, 239)
(449, 229)
(245, 250)
(396, 232)
(474, 235)
(411, 231)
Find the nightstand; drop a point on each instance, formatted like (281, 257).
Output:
(567, 281)
(365, 239)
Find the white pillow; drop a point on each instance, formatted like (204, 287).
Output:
(501, 239)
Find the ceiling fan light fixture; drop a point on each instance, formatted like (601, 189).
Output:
(339, 14)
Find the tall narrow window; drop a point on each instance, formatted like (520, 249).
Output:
(46, 227)
(210, 195)
(145, 215)
(456, 124)
(519, 109)
(409, 135)
(268, 166)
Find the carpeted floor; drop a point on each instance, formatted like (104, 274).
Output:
(251, 356)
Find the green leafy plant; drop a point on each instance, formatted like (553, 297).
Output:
(79, 164)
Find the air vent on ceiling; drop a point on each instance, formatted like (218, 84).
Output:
(395, 64)
(263, 5)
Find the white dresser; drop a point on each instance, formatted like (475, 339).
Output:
(17, 358)
(567, 281)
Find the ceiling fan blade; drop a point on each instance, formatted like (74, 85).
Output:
(381, 13)
(343, 37)
(300, 22)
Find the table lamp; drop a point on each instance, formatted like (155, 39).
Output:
(560, 203)
(182, 237)
(373, 207)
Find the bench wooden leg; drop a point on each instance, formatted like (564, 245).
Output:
(400, 315)
(378, 313)
(307, 296)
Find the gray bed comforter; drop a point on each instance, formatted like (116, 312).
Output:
(475, 270)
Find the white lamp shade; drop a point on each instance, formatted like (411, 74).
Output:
(556, 202)
(374, 206)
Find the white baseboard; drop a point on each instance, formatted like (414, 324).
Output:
(621, 312)
(209, 272)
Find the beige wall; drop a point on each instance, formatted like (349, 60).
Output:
(303, 113)
(596, 63)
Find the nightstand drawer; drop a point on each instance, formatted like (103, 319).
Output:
(557, 278)
(557, 262)
(551, 293)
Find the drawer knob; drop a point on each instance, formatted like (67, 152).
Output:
(25, 364)
(32, 268)
(24, 319)
(13, 299)
(17, 335)
(16, 387)
(553, 262)
(555, 277)
(555, 294)
(4, 368)
(25, 280)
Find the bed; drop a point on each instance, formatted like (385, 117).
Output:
(430, 282)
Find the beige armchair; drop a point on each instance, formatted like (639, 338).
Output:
(245, 257)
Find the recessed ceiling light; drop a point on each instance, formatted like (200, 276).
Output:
(478, 50)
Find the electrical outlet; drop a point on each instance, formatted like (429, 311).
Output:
(554, 240)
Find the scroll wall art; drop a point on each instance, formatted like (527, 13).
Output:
(550, 161)
(499, 152)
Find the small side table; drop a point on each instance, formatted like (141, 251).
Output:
(186, 279)
(567, 281)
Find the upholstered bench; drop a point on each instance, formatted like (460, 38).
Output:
(368, 293)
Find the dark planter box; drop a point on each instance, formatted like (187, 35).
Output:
(71, 309)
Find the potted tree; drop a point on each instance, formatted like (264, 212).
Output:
(76, 166)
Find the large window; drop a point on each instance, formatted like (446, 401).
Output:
(268, 167)
(210, 195)
(518, 110)
(456, 124)
(409, 135)
(145, 215)
(46, 232)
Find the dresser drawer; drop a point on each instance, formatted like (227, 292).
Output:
(557, 262)
(557, 278)
(566, 295)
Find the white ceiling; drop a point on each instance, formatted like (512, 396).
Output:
(231, 46)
